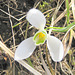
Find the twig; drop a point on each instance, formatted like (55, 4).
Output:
(1, 38)
(22, 17)
(11, 25)
(44, 65)
(14, 9)
(49, 10)
(17, 32)
(9, 14)
(61, 15)
(14, 72)
(50, 67)
(55, 67)
(35, 5)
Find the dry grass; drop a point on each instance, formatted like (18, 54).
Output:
(12, 13)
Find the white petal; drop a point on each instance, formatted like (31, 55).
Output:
(36, 18)
(55, 47)
(25, 49)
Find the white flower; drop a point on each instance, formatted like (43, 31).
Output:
(26, 47)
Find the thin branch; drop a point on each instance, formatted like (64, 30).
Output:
(44, 64)
(11, 25)
(9, 14)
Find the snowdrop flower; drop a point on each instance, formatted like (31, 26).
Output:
(26, 47)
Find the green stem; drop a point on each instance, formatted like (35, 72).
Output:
(29, 62)
(26, 30)
(61, 29)
(17, 24)
(67, 6)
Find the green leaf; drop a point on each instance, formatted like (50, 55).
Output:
(68, 14)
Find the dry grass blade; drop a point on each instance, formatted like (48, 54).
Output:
(67, 67)
(61, 15)
(9, 14)
(50, 66)
(44, 64)
(73, 8)
(38, 2)
(11, 25)
(55, 13)
(22, 62)
(70, 42)
(45, 67)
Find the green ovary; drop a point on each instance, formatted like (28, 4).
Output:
(40, 37)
